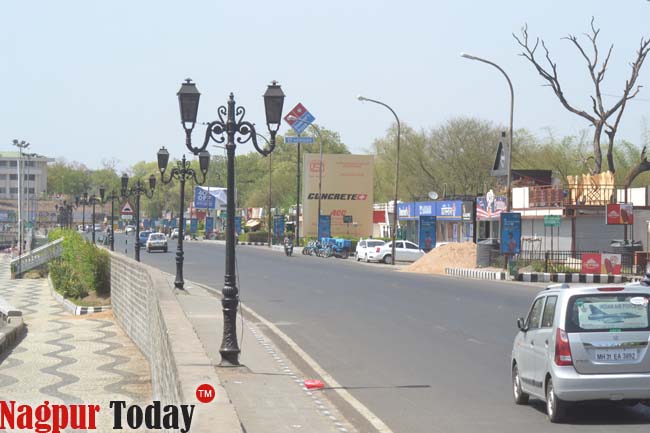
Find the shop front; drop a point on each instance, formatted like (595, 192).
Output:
(450, 225)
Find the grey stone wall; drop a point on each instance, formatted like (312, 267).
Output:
(135, 293)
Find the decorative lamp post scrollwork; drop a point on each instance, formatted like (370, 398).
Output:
(230, 124)
(182, 172)
(136, 191)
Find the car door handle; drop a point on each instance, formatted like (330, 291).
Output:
(532, 343)
(546, 343)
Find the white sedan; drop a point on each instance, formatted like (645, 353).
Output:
(405, 251)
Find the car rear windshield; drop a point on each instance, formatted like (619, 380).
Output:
(607, 312)
(157, 237)
(375, 243)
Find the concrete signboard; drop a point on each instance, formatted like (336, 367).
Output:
(347, 189)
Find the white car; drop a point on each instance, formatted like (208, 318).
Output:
(129, 229)
(405, 251)
(364, 246)
(157, 241)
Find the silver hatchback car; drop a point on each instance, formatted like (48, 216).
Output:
(584, 344)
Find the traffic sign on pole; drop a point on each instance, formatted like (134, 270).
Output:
(127, 209)
(295, 140)
(299, 118)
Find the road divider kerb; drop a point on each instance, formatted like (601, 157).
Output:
(77, 310)
(559, 277)
(479, 274)
(375, 421)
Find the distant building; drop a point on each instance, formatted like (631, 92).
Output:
(34, 173)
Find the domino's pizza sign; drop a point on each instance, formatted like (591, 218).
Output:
(299, 118)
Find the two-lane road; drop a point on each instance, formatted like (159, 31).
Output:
(425, 354)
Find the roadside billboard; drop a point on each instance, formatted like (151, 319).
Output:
(510, 232)
(346, 191)
(620, 214)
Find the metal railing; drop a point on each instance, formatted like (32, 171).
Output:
(36, 257)
(566, 261)
(561, 196)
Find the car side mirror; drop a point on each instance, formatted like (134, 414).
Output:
(521, 324)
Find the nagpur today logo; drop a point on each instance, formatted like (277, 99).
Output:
(54, 418)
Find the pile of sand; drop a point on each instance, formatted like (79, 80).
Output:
(453, 255)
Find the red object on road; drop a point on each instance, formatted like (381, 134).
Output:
(313, 384)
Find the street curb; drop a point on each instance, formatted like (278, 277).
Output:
(476, 274)
(545, 277)
(361, 409)
(257, 244)
(72, 308)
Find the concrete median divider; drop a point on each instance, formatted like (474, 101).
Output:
(478, 274)
(145, 305)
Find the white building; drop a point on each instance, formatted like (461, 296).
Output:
(34, 173)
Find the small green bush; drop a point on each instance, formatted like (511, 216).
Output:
(82, 267)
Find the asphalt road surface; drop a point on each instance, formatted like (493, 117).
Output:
(425, 354)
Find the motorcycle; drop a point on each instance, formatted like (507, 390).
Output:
(288, 247)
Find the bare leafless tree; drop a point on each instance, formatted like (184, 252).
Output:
(600, 117)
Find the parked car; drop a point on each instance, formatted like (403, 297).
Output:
(98, 227)
(581, 344)
(157, 241)
(405, 251)
(174, 234)
(364, 246)
(144, 237)
(129, 229)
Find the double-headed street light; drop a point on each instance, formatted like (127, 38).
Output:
(112, 197)
(65, 214)
(136, 191)
(230, 123)
(512, 106)
(94, 200)
(182, 171)
(394, 231)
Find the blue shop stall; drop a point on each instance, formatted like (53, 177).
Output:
(453, 220)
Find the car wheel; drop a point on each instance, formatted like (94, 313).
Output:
(366, 258)
(165, 250)
(555, 408)
(520, 396)
(356, 256)
(387, 259)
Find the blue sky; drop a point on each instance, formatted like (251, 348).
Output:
(88, 80)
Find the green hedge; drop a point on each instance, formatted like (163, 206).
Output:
(257, 236)
(82, 267)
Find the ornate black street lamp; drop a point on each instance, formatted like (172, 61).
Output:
(112, 197)
(230, 123)
(83, 201)
(94, 200)
(65, 214)
(182, 172)
(136, 191)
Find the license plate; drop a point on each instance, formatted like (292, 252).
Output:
(612, 355)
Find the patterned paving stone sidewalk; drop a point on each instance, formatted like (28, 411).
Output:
(68, 359)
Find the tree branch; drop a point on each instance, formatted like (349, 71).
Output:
(642, 166)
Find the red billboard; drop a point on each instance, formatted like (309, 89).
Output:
(620, 214)
(591, 263)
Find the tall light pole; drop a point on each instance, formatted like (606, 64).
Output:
(94, 200)
(182, 172)
(21, 145)
(512, 107)
(270, 236)
(394, 232)
(137, 190)
(112, 197)
(223, 130)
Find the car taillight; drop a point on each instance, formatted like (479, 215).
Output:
(562, 348)
(610, 289)
(377, 250)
